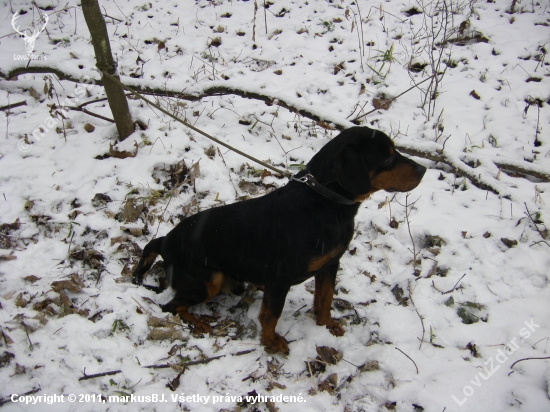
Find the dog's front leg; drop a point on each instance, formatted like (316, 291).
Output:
(322, 301)
(272, 307)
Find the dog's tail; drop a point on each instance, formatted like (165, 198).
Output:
(150, 252)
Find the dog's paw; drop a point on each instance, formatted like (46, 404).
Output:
(334, 327)
(137, 280)
(276, 344)
(201, 328)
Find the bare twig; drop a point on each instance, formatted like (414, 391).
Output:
(196, 362)
(311, 374)
(532, 221)
(31, 392)
(450, 290)
(535, 344)
(396, 97)
(521, 360)
(418, 313)
(81, 109)
(13, 105)
(254, 24)
(409, 358)
(97, 375)
(407, 207)
(139, 304)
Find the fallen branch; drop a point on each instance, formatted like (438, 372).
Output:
(3, 401)
(429, 150)
(97, 375)
(13, 105)
(182, 366)
(438, 155)
(83, 110)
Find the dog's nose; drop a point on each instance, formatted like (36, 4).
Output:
(420, 170)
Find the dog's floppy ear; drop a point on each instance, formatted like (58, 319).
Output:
(350, 171)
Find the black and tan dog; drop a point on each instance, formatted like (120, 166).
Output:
(285, 237)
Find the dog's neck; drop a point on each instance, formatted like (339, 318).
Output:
(331, 190)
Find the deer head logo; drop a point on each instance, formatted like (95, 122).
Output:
(29, 40)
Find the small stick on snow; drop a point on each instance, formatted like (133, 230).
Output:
(534, 344)
(13, 105)
(197, 362)
(97, 375)
(520, 360)
(532, 221)
(311, 374)
(450, 290)
(139, 304)
(409, 358)
(418, 313)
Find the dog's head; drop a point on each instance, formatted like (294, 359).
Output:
(362, 161)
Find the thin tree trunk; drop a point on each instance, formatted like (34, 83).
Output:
(104, 61)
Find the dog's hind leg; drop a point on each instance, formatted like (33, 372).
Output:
(150, 253)
(194, 294)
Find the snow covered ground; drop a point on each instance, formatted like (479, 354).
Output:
(443, 339)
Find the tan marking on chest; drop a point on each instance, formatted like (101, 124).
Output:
(319, 261)
(362, 198)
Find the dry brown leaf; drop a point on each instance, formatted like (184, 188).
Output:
(131, 211)
(122, 154)
(370, 366)
(60, 285)
(329, 384)
(329, 355)
(163, 334)
(31, 278)
(21, 302)
(381, 103)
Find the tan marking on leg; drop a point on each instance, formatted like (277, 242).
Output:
(319, 261)
(150, 258)
(198, 325)
(270, 339)
(322, 301)
(213, 287)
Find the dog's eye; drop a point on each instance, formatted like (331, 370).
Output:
(388, 160)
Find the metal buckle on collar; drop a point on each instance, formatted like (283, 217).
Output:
(303, 179)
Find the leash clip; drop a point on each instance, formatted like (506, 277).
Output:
(303, 179)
